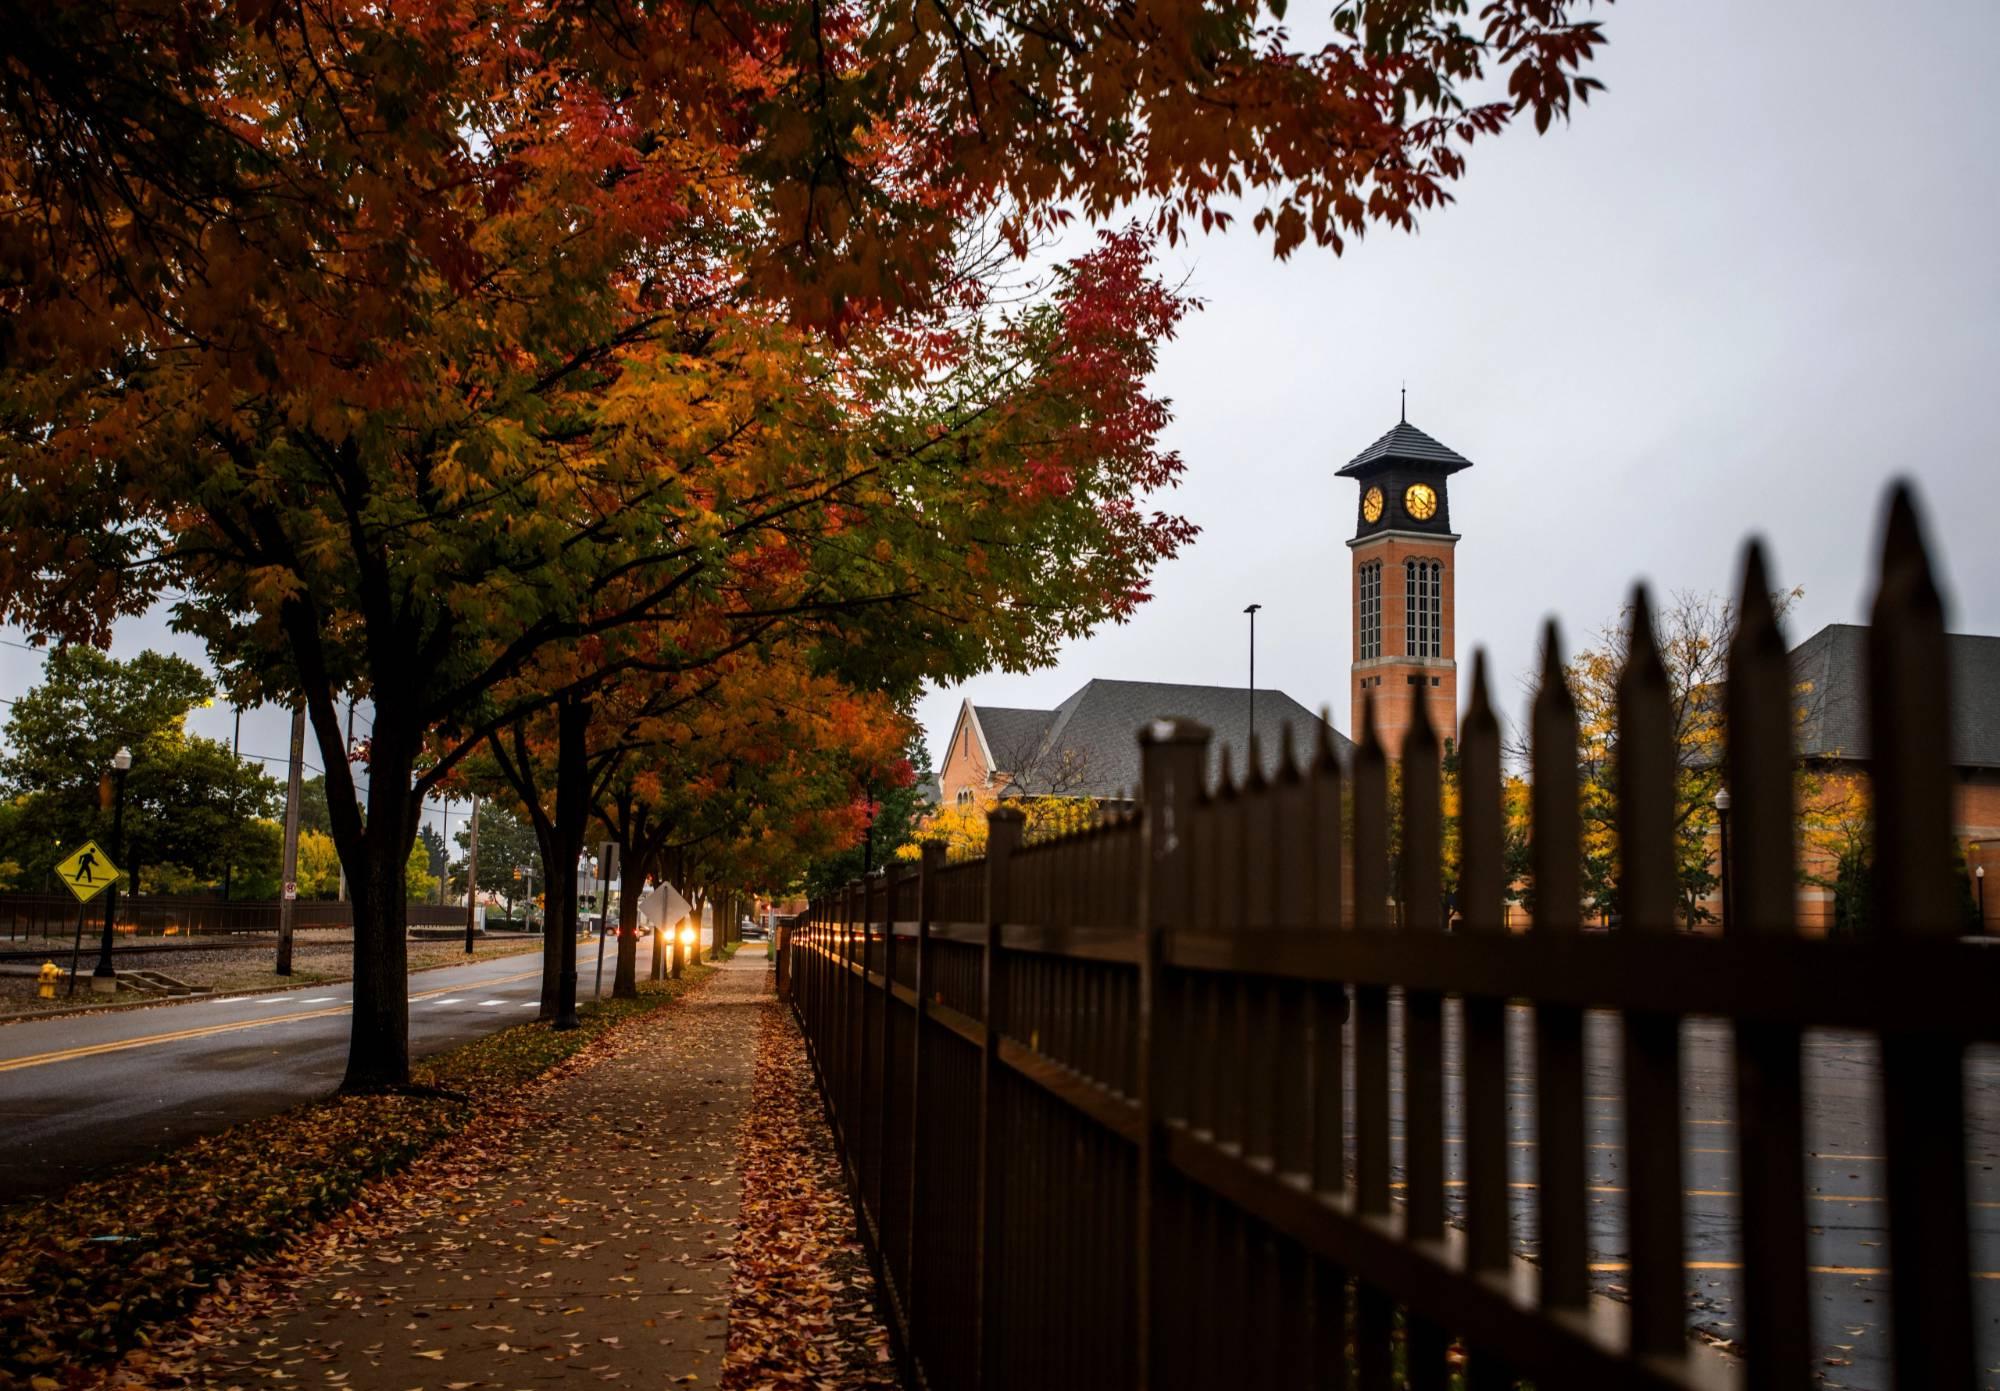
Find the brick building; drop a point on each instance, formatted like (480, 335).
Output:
(1831, 669)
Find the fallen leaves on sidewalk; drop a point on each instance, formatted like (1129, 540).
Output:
(803, 1312)
(92, 1274)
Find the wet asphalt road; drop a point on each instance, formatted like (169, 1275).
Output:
(1848, 1238)
(85, 1093)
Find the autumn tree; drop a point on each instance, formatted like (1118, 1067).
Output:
(191, 806)
(407, 345)
(507, 853)
(895, 812)
(1692, 631)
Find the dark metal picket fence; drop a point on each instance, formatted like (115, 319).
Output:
(1092, 1099)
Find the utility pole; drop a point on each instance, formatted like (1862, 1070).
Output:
(349, 747)
(471, 874)
(235, 745)
(287, 904)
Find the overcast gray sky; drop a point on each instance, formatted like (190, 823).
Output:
(1754, 280)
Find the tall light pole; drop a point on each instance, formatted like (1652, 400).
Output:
(105, 978)
(1252, 611)
(1979, 879)
(471, 873)
(288, 901)
(235, 753)
(1722, 821)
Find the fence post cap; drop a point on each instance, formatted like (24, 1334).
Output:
(1173, 731)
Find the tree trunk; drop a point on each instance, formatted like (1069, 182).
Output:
(555, 887)
(378, 1054)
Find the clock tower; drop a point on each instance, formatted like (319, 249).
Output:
(1403, 584)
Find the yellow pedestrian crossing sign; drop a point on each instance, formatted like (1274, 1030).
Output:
(87, 872)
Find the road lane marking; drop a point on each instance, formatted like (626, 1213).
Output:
(319, 999)
(453, 1001)
(492, 1002)
(91, 1050)
(1612, 1267)
(1530, 1185)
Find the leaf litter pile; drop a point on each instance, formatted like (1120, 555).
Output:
(98, 1273)
(804, 1311)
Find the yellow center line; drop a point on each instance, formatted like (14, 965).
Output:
(1529, 1185)
(1610, 1267)
(91, 1050)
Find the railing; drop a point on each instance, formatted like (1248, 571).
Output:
(1117, 1109)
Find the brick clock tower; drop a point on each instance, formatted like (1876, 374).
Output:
(1403, 584)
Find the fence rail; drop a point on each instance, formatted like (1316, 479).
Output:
(1117, 1109)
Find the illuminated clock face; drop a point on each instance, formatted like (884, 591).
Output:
(1371, 505)
(1421, 502)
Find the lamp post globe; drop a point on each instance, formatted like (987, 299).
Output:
(1722, 803)
(104, 978)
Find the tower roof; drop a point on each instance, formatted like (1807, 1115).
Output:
(1405, 443)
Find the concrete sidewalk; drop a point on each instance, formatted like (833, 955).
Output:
(592, 1246)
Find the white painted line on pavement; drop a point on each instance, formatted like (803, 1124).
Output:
(454, 1000)
(278, 1000)
(492, 1002)
(90, 1050)
(321, 999)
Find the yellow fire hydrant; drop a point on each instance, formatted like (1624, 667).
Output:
(45, 985)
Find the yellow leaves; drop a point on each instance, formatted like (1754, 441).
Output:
(431, 1354)
(270, 586)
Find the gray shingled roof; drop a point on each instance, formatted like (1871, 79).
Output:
(1406, 443)
(1091, 747)
(1012, 736)
(1831, 667)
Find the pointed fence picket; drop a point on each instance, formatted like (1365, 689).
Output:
(1116, 1108)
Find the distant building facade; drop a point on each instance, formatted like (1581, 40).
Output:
(1830, 668)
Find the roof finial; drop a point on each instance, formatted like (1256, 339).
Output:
(1404, 413)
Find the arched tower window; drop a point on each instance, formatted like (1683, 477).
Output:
(1371, 610)
(1423, 582)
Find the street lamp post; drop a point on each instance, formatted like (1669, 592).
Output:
(105, 978)
(1252, 733)
(472, 875)
(1722, 801)
(1979, 880)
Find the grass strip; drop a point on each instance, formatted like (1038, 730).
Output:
(92, 1272)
